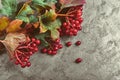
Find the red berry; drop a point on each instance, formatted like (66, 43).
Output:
(33, 45)
(60, 46)
(78, 60)
(49, 51)
(55, 48)
(68, 44)
(57, 40)
(44, 50)
(28, 64)
(33, 39)
(25, 59)
(78, 43)
(30, 53)
(23, 65)
(35, 49)
(16, 62)
(54, 52)
(64, 24)
(37, 42)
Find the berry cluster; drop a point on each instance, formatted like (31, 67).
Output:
(24, 51)
(53, 47)
(73, 22)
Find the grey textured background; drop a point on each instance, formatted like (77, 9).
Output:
(100, 50)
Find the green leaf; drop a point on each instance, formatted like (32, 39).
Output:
(33, 18)
(48, 21)
(69, 3)
(24, 12)
(52, 27)
(9, 7)
(55, 34)
(23, 18)
(44, 3)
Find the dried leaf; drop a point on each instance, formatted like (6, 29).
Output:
(14, 26)
(12, 41)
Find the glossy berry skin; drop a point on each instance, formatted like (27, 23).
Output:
(44, 50)
(68, 44)
(78, 43)
(78, 60)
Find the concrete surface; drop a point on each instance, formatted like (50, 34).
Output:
(100, 50)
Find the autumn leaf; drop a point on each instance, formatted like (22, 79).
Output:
(9, 7)
(69, 3)
(36, 24)
(14, 26)
(12, 41)
(4, 21)
(24, 12)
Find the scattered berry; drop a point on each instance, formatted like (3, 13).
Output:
(68, 44)
(78, 43)
(78, 60)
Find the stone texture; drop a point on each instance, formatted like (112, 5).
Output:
(100, 50)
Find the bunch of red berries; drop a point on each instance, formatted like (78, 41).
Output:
(24, 51)
(73, 22)
(53, 47)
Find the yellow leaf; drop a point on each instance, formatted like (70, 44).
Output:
(14, 26)
(4, 21)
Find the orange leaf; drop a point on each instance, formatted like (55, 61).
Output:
(4, 21)
(14, 26)
(36, 24)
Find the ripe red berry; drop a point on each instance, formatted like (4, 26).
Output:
(49, 52)
(78, 43)
(54, 52)
(28, 64)
(68, 44)
(78, 60)
(23, 65)
(16, 62)
(44, 50)
(33, 39)
(57, 40)
(30, 53)
(37, 42)
(60, 46)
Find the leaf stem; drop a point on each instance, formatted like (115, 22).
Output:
(64, 15)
